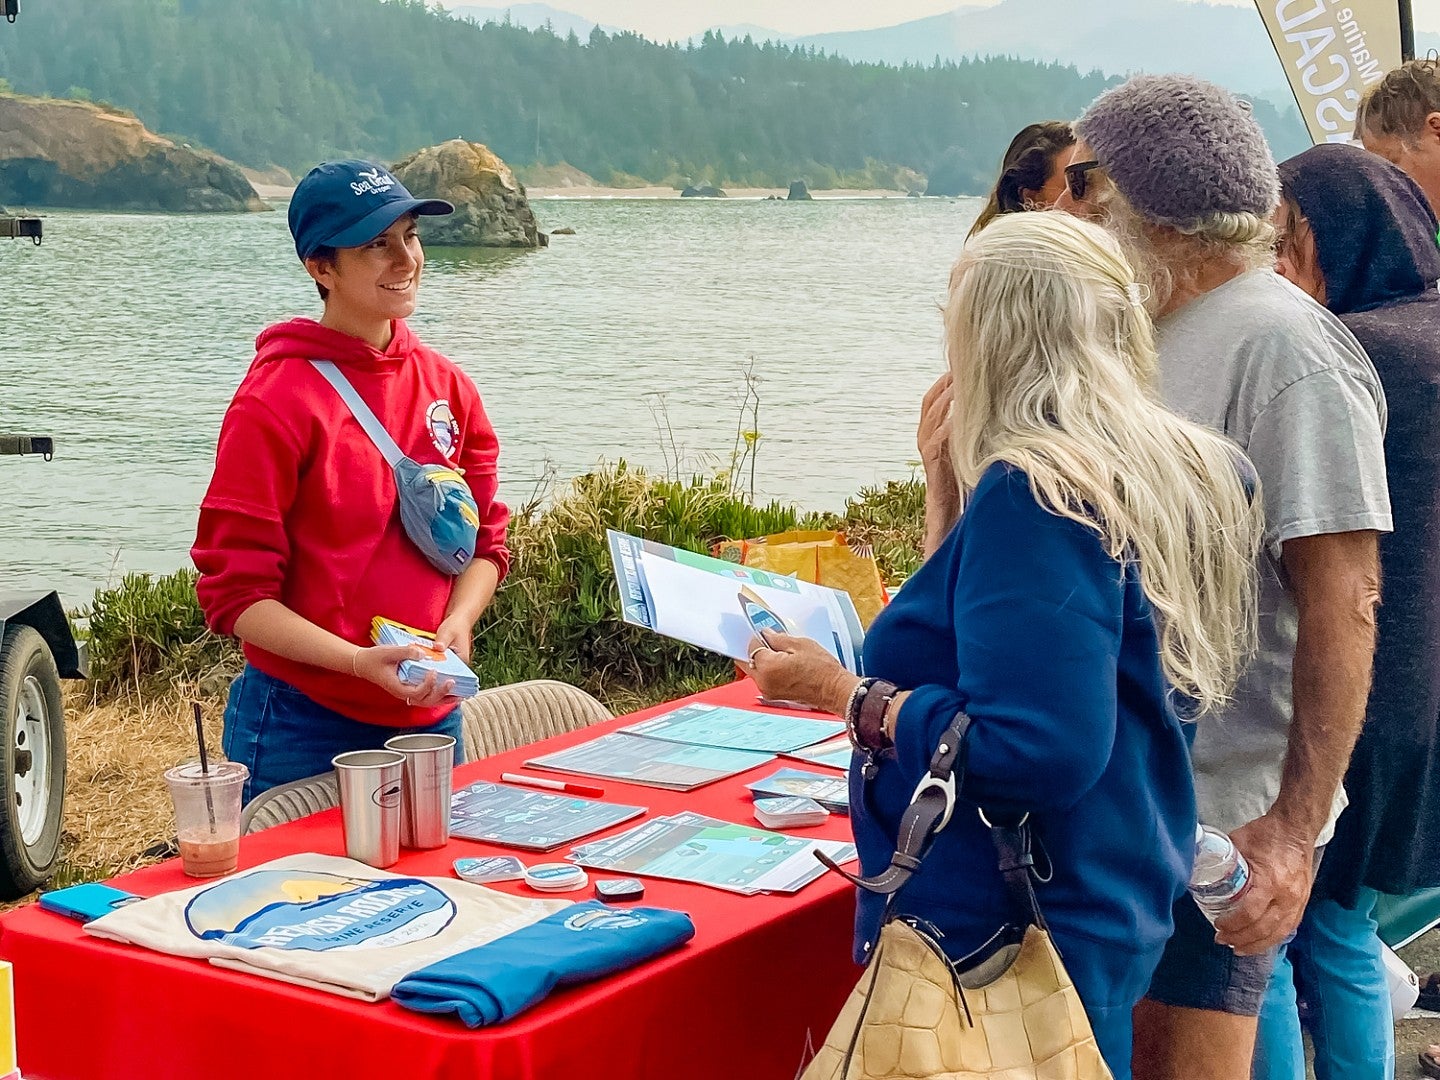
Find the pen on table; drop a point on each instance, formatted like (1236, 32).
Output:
(785, 703)
(553, 785)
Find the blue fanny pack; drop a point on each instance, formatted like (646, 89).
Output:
(436, 507)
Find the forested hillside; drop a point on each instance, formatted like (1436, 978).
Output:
(293, 81)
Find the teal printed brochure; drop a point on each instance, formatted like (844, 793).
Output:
(707, 851)
(531, 820)
(738, 729)
(677, 766)
(719, 605)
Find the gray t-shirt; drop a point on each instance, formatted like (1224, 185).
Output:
(1260, 361)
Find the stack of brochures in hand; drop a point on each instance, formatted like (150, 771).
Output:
(708, 851)
(446, 665)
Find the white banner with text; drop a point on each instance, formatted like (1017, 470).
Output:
(1332, 50)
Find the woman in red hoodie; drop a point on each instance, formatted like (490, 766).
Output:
(300, 541)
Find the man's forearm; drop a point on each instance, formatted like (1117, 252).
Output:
(1334, 656)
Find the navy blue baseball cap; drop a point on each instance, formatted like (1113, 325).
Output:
(343, 204)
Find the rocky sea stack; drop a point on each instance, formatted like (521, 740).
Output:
(490, 205)
(72, 153)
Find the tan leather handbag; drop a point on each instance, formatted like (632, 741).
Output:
(917, 1015)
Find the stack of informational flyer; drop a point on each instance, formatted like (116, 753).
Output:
(707, 851)
(693, 745)
(446, 664)
(529, 820)
(829, 790)
(700, 724)
(654, 762)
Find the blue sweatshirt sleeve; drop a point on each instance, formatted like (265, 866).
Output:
(1038, 608)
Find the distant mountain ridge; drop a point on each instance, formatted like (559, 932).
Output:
(1222, 43)
(531, 17)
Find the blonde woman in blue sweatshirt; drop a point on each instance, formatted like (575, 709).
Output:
(1101, 574)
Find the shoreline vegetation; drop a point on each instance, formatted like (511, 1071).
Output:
(281, 192)
(554, 617)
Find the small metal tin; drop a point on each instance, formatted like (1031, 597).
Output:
(620, 890)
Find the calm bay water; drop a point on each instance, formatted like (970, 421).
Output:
(125, 335)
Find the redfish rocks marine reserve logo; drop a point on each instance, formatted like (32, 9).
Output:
(318, 912)
(444, 428)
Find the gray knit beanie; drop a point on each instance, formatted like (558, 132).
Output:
(1181, 150)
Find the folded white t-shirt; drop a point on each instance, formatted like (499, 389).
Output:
(325, 922)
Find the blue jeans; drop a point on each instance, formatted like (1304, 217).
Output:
(280, 735)
(1337, 961)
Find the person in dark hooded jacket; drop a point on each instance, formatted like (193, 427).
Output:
(1359, 235)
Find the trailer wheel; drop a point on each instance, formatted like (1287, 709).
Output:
(32, 762)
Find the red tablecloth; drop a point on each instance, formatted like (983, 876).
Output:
(763, 974)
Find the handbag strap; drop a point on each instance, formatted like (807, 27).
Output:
(362, 412)
(930, 809)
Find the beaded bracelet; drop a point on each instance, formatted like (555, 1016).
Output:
(852, 712)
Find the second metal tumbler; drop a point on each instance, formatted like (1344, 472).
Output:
(425, 804)
(371, 783)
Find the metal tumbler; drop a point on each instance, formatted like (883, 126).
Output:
(425, 803)
(371, 784)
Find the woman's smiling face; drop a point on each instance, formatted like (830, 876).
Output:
(375, 281)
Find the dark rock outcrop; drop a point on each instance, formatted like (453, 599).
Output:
(799, 192)
(73, 153)
(491, 209)
(702, 191)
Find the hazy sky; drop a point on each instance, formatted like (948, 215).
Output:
(676, 18)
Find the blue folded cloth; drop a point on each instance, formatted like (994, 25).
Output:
(495, 981)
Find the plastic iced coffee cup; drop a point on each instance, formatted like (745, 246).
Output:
(207, 815)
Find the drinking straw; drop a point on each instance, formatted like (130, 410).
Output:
(204, 766)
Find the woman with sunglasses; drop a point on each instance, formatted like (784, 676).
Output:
(1031, 178)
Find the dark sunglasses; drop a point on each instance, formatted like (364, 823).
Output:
(1077, 177)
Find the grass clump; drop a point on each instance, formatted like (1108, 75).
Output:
(147, 634)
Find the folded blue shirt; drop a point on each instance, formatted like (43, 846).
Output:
(495, 981)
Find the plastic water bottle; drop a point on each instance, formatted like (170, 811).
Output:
(1221, 874)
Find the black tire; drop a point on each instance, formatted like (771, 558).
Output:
(32, 759)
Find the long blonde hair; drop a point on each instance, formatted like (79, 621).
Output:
(1053, 360)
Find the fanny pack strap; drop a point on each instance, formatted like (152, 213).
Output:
(362, 412)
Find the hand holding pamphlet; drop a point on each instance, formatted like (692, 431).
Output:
(722, 605)
(445, 665)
